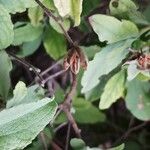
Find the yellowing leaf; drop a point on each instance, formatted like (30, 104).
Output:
(72, 8)
(63, 7)
(76, 9)
(36, 15)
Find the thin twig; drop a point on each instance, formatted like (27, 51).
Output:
(50, 68)
(55, 146)
(50, 14)
(57, 114)
(134, 129)
(54, 76)
(73, 123)
(131, 122)
(68, 136)
(28, 65)
(60, 126)
(127, 133)
(70, 94)
(43, 140)
(66, 106)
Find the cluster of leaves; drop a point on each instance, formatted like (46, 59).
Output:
(120, 36)
(28, 111)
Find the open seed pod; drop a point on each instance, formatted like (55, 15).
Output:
(75, 59)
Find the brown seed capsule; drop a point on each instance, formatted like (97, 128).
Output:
(74, 59)
(144, 61)
(83, 59)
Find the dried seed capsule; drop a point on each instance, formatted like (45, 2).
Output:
(74, 59)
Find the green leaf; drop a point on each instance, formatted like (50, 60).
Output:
(28, 48)
(78, 144)
(120, 147)
(110, 29)
(122, 8)
(36, 15)
(82, 107)
(54, 43)
(19, 93)
(23, 33)
(131, 144)
(6, 28)
(64, 22)
(21, 124)
(87, 5)
(49, 4)
(144, 76)
(147, 13)
(95, 93)
(137, 99)
(76, 9)
(103, 63)
(90, 51)
(14, 6)
(22, 94)
(113, 90)
(138, 18)
(72, 8)
(126, 9)
(5, 69)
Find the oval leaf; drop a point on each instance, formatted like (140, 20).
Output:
(63, 7)
(103, 63)
(72, 8)
(22, 94)
(82, 107)
(23, 33)
(110, 29)
(113, 90)
(14, 6)
(128, 10)
(54, 43)
(137, 99)
(6, 28)
(5, 68)
(76, 9)
(21, 124)
(36, 15)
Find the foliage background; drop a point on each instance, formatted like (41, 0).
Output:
(111, 104)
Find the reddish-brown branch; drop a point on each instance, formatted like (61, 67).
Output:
(70, 94)
(55, 146)
(66, 106)
(73, 122)
(68, 136)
